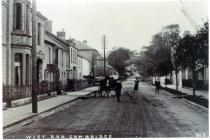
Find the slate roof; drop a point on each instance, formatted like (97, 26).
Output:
(82, 46)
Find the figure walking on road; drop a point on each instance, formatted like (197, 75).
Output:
(158, 86)
(136, 86)
(118, 89)
(107, 86)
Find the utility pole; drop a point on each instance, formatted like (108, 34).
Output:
(93, 65)
(104, 46)
(33, 53)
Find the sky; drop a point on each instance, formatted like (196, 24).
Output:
(127, 23)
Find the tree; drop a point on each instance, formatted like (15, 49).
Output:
(117, 59)
(192, 50)
(171, 37)
(176, 61)
(187, 52)
(99, 71)
(159, 52)
(203, 43)
(145, 66)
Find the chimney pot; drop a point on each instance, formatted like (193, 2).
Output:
(85, 41)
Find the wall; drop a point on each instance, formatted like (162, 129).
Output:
(80, 68)
(4, 39)
(87, 54)
(86, 67)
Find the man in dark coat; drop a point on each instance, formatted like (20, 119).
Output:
(136, 85)
(118, 89)
(158, 86)
(107, 86)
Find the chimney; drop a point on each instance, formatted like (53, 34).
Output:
(70, 41)
(85, 42)
(48, 25)
(186, 33)
(61, 34)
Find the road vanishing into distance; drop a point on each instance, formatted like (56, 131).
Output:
(146, 115)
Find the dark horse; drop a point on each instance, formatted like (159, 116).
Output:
(106, 85)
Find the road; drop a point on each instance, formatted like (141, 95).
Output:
(148, 115)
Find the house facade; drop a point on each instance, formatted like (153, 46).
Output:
(16, 42)
(56, 51)
(51, 51)
(89, 57)
(58, 59)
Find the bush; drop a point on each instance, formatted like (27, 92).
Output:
(200, 84)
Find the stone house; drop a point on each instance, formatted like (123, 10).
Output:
(16, 42)
(80, 67)
(89, 57)
(56, 52)
(17, 45)
(72, 71)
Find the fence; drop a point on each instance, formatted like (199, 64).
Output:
(11, 92)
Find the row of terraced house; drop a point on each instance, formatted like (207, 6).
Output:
(58, 58)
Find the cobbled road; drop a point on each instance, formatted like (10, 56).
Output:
(147, 115)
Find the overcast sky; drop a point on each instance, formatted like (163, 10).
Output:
(128, 24)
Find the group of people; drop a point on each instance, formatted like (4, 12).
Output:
(109, 83)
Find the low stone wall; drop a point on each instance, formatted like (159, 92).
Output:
(24, 101)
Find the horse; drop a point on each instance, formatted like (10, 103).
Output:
(103, 86)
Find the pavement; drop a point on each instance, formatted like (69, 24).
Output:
(189, 91)
(17, 114)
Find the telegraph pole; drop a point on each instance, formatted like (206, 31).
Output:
(104, 46)
(93, 65)
(33, 53)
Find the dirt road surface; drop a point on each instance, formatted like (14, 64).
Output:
(147, 115)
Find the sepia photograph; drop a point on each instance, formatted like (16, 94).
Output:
(103, 69)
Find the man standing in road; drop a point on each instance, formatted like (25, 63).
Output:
(107, 86)
(118, 89)
(136, 86)
(158, 86)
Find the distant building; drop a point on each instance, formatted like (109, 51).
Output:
(80, 67)
(100, 67)
(89, 56)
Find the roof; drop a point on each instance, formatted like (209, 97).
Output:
(39, 14)
(53, 39)
(82, 46)
(100, 58)
(79, 55)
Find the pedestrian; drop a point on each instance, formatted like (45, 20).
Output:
(101, 88)
(118, 89)
(112, 83)
(158, 86)
(136, 85)
(107, 86)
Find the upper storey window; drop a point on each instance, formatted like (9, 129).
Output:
(27, 18)
(39, 33)
(18, 16)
